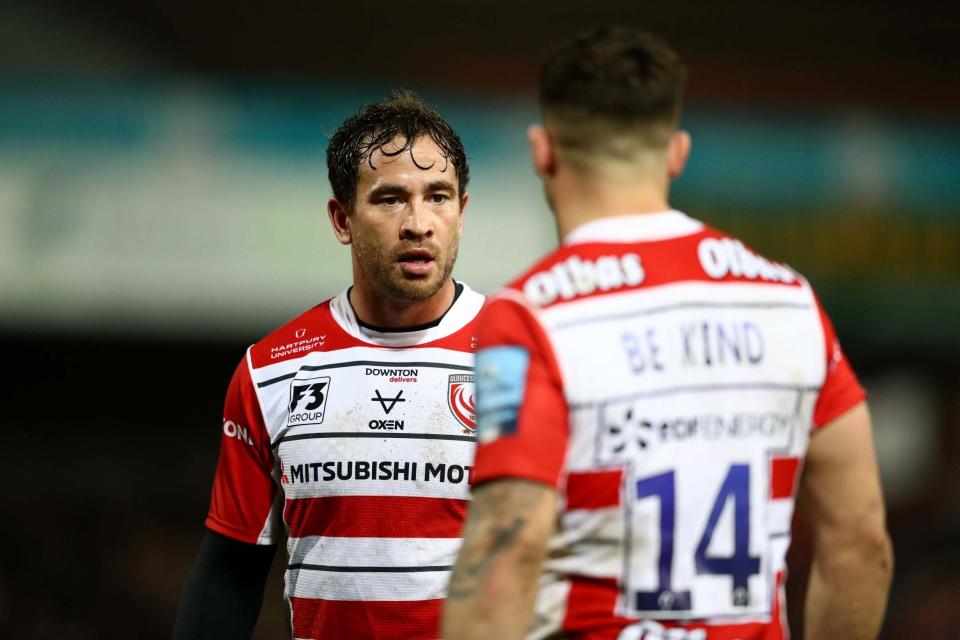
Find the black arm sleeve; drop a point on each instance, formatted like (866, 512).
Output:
(223, 595)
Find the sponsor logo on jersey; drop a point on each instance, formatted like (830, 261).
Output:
(386, 470)
(352, 470)
(297, 346)
(233, 430)
(721, 257)
(650, 630)
(386, 425)
(461, 400)
(627, 432)
(393, 375)
(308, 400)
(577, 276)
(388, 403)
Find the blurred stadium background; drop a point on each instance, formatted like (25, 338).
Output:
(162, 205)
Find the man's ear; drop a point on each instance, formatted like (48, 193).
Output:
(542, 152)
(339, 220)
(678, 151)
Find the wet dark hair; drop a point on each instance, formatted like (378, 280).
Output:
(403, 115)
(609, 81)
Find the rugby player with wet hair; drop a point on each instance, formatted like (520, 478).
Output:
(350, 428)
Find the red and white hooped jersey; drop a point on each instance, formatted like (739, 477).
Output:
(360, 443)
(666, 379)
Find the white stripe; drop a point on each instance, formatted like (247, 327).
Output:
(779, 515)
(378, 552)
(596, 538)
(550, 609)
(330, 585)
(673, 293)
(272, 531)
(378, 354)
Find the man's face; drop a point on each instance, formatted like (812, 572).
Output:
(406, 221)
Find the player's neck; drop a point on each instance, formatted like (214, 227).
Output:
(577, 200)
(374, 308)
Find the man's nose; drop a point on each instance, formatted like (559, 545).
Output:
(418, 222)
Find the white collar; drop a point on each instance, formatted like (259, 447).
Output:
(635, 227)
(463, 310)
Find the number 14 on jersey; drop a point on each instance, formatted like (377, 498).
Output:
(697, 560)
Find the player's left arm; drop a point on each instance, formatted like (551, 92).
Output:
(223, 594)
(494, 582)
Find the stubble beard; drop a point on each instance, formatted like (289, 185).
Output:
(380, 266)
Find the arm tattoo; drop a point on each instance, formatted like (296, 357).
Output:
(463, 582)
(497, 516)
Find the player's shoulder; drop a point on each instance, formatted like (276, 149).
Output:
(724, 256)
(612, 264)
(312, 329)
(573, 269)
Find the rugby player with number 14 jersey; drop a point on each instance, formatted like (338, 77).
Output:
(652, 397)
(350, 430)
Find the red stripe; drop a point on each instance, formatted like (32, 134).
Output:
(783, 477)
(593, 489)
(413, 620)
(592, 602)
(375, 517)
(590, 609)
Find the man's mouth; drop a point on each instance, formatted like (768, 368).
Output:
(416, 255)
(416, 262)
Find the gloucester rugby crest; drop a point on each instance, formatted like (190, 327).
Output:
(462, 401)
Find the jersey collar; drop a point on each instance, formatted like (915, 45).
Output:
(462, 311)
(635, 227)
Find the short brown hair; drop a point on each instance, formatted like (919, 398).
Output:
(402, 115)
(611, 89)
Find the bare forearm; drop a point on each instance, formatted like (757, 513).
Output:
(841, 500)
(496, 602)
(494, 582)
(847, 594)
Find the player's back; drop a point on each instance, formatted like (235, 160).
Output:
(688, 372)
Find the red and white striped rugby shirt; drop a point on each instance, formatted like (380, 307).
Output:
(360, 443)
(667, 380)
